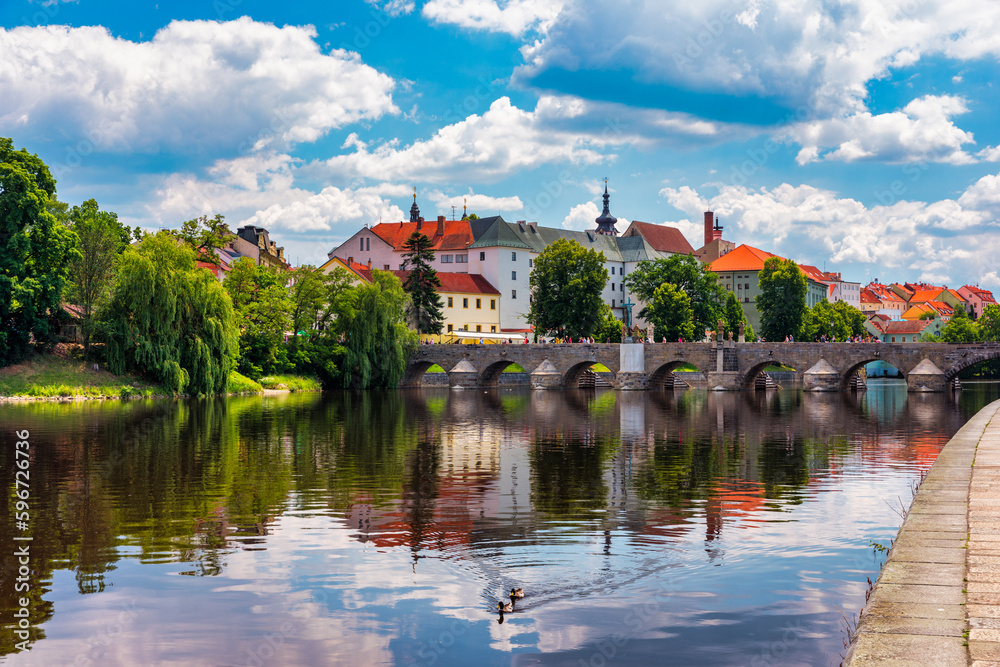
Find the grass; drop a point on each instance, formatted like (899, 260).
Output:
(513, 368)
(290, 382)
(60, 375)
(241, 384)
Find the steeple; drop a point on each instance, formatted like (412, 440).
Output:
(606, 223)
(465, 209)
(414, 210)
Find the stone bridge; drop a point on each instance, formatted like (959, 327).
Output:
(725, 365)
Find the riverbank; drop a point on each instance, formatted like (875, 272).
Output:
(937, 600)
(62, 377)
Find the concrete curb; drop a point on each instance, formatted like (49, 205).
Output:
(916, 614)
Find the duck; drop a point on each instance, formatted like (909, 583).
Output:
(516, 593)
(505, 606)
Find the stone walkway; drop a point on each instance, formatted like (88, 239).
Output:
(937, 601)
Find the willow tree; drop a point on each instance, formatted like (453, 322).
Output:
(169, 320)
(377, 341)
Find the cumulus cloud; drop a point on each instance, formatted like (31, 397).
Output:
(922, 130)
(506, 139)
(952, 239)
(481, 205)
(514, 17)
(808, 54)
(393, 7)
(197, 85)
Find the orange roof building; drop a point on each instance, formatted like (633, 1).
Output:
(977, 298)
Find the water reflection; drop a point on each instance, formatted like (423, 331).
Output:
(382, 527)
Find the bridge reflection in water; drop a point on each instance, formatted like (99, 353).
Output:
(722, 366)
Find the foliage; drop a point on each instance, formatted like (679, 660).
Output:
(687, 274)
(566, 284)
(101, 239)
(310, 295)
(960, 328)
(205, 236)
(422, 284)
(929, 337)
(734, 316)
(671, 313)
(609, 328)
(170, 320)
(927, 316)
(35, 253)
(241, 384)
(377, 342)
(840, 320)
(263, 308)
(782, 299)
(989, 323)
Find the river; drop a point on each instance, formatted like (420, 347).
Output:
(684, 528)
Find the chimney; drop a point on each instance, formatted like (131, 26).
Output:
(369, 263)
(717, 230)
(420, 224)
(350, 260)
(440, 230)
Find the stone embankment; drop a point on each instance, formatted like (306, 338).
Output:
(937, 601)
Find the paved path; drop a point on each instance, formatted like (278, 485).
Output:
(937, 601)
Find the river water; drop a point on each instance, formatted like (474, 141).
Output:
(688, 528)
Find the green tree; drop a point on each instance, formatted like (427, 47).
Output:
(609, 328)
(989, 323)
(35, 253)
(205, 235)
(422, 284)
(928, 315)
(734, 316)
(377, 341)
(960, 328)
(309, 295)
(687, 274)
(671, 313)
(566, 283)
(840, 320)
(101, 239)
(782, 299)
(263, 310)
(170, 320)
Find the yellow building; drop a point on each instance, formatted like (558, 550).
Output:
(471, 304)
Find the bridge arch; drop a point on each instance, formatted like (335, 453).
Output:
(571, 376)
(968, 360)
(415, 371)
(490, 376)
(661, 376)
(749, 377)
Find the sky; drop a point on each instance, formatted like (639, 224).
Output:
(858, 136)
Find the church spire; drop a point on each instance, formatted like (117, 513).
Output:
(414, 210)
(606, 223)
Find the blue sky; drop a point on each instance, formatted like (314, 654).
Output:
(858, 135)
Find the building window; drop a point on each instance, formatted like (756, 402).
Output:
(368, 243)
(446, 259)
(893, 338)
(493, 304)
(493, 328)
(465, 302)
(513, 294)
(622, 287)
(482, 257)
(612, 303)
(746, 299)
(513, 275)
(362, 244)
(513, 256)
(612, 287)
(385, 267)
(529, 262)
(465, 327)
(451, 327)
(479, 303)
(746, 286)
(461, 259)
(451, 302)
(612, 270)
(479, 328)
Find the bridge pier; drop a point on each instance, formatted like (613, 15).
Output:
(463, 376)
(724, 380)
(632, 364)
(926, 377)
(821, 377)
(546, 376)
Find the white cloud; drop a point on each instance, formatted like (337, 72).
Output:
(514, 17)
(197, 85)
(481, 205)
(581, 217)
(952, 239)
(506, 139)
(808, 54)
(922, 130)
(393, 8)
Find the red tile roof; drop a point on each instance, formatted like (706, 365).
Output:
(905, 326)
(664, 238)
(457, 233)
(742, 258)
(462, 283)
(984, 294)
(868, 296)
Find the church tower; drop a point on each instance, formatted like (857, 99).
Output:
(606, 223)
